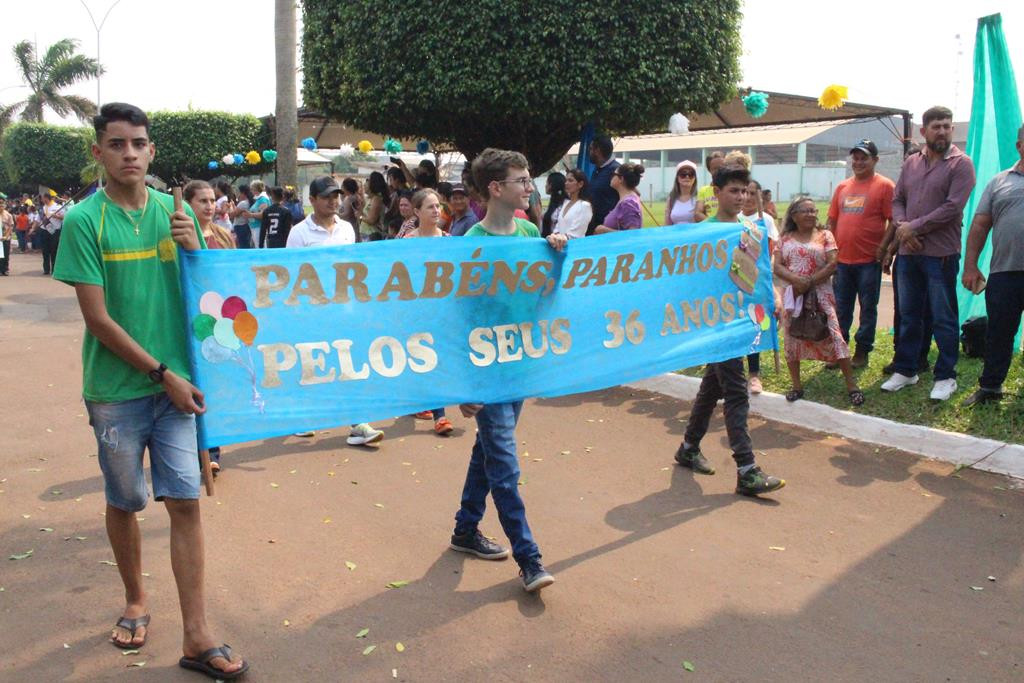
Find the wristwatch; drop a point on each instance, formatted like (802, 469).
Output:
(157, 375)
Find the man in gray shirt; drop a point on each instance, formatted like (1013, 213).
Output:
(1000, 210)
(927, 207)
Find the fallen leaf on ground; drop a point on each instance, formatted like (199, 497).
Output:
(378, 505)
(991, 578)
(363, 633)
(146, 574)
(522, 482)
(125, 653)
(27, 516)
(292, 471)
(330, 474)
(66, 646)
(566, 452)
(56, 492)
(665, 469)
(538, 459)
(394, 673)
(776, 547)
(400, 647)
(977, 588)
(327, 520)
(21, 556)
(351, 566)
(108, 563)
(274, 486)
(45, 528)
(136, 664)
(398, 584)
(287, 623)
(688, 666)
(369, 649)
(407, 464)
(34, 469)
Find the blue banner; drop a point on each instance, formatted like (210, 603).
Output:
(285, 340)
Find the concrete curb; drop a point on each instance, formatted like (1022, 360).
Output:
(959, 449)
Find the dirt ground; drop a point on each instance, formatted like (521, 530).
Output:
(870, 565)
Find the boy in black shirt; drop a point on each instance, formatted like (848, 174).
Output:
(276, 222)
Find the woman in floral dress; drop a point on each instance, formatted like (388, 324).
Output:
(806, 258)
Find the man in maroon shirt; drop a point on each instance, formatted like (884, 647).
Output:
(928, 207)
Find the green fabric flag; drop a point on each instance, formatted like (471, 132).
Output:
(992, 136)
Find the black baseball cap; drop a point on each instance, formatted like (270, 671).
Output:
(866, 146)
(323, 187)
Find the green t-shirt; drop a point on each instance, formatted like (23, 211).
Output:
(706, 194)
(133, 257)
(524, 228)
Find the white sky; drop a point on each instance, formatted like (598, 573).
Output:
(214, 54)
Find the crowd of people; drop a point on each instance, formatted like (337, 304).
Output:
(115, 246)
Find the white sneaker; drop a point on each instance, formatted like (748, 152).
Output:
(898, 381)
(943, 389)
(363, 434)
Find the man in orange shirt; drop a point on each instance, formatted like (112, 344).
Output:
(860, 212)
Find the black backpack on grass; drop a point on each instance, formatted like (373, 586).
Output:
(972, 336)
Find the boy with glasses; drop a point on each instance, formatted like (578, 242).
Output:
(503, 179)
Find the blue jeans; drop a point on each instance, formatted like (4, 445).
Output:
(243, 236)
(858, 282)
(1004, 300)
(928, 281)
(494, 469)
(124, 430)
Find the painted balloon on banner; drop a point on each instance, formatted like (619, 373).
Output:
(245, 327)
(210, 303)
(232, 306)
(213, 352)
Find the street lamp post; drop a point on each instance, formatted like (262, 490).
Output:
(98, 27)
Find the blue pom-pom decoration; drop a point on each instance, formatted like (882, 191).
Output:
(756, 104)
(212, 165)
(239, 158)
(422, 147)
(309, 143)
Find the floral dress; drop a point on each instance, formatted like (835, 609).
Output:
(805, 259)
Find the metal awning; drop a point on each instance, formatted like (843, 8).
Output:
(786, 109)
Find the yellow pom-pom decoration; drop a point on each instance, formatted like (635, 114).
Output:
(834, 97)
(253, 157)
(365, 146)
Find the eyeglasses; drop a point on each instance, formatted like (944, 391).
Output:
(525, 182)
(686, 174)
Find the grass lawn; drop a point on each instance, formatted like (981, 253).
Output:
(1003, 421)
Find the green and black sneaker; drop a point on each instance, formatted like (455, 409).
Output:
(754, 482)
(694, 459)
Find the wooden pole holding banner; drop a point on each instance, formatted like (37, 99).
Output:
(204, 455)
(775, 342)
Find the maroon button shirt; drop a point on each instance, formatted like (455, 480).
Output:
(931, 197)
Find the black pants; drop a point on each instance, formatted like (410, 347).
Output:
(723, 380)
(50, 244)
(1004, 299)
(5, 253)
(926, 338)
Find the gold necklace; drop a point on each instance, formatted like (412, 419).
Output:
(135, 223)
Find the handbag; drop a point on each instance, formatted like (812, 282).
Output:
(812, 323)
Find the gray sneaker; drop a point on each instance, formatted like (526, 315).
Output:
(535, 576)
(363, 434)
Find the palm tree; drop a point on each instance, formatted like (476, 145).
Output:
(59, 68)
(286, 118)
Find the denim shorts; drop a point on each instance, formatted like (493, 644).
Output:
(124, 430)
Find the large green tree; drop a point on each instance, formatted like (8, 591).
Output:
(60, 67)
(44, 154)
(187, 141)
(517, 74)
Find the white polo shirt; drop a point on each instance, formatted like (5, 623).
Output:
(309, 234)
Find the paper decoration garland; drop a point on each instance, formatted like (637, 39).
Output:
(422, 147)
(833, 97)
(678, 124)
(756, 104)
(269, 155)
(392, 146)
(346, 151)
(365, 146)
(309, 143)
(252, 157)
(228, 159)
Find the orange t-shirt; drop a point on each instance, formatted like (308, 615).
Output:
(859, 212)
(21, 222)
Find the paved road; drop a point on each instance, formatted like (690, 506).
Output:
(862, 568)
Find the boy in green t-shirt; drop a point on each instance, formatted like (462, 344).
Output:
(726, 379)
(120, 252)
(503, 178)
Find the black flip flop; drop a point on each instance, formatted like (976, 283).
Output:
(131, 625)
(202, 663)
(857, 397)
(794, 395)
